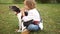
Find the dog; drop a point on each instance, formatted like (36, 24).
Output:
(16, 9)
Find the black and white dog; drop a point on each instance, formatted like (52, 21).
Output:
(18, 13)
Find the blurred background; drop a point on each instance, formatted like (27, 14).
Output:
(21, 1)
(48, 9)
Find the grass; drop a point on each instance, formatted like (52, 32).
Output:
(50, 14)
(6, 1)
(10, 1)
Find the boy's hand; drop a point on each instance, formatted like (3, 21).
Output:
(22, 11)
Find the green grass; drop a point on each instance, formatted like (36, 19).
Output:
(11, 1)
(6, 1)
(50, 14)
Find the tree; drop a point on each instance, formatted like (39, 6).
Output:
(58, 1)
(48, 1)
(53, 1)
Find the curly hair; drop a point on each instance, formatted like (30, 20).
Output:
(30, 3)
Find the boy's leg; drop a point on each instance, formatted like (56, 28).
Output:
(33, 27)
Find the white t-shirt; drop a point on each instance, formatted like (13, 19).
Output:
(32, 14)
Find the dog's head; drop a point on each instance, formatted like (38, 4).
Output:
(14, 8)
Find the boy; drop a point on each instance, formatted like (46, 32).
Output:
(33, 15)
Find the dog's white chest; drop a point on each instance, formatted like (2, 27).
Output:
(21, 26)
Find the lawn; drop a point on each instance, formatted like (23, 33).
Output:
(50, 14)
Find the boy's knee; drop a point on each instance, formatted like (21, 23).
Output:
(33, 27)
